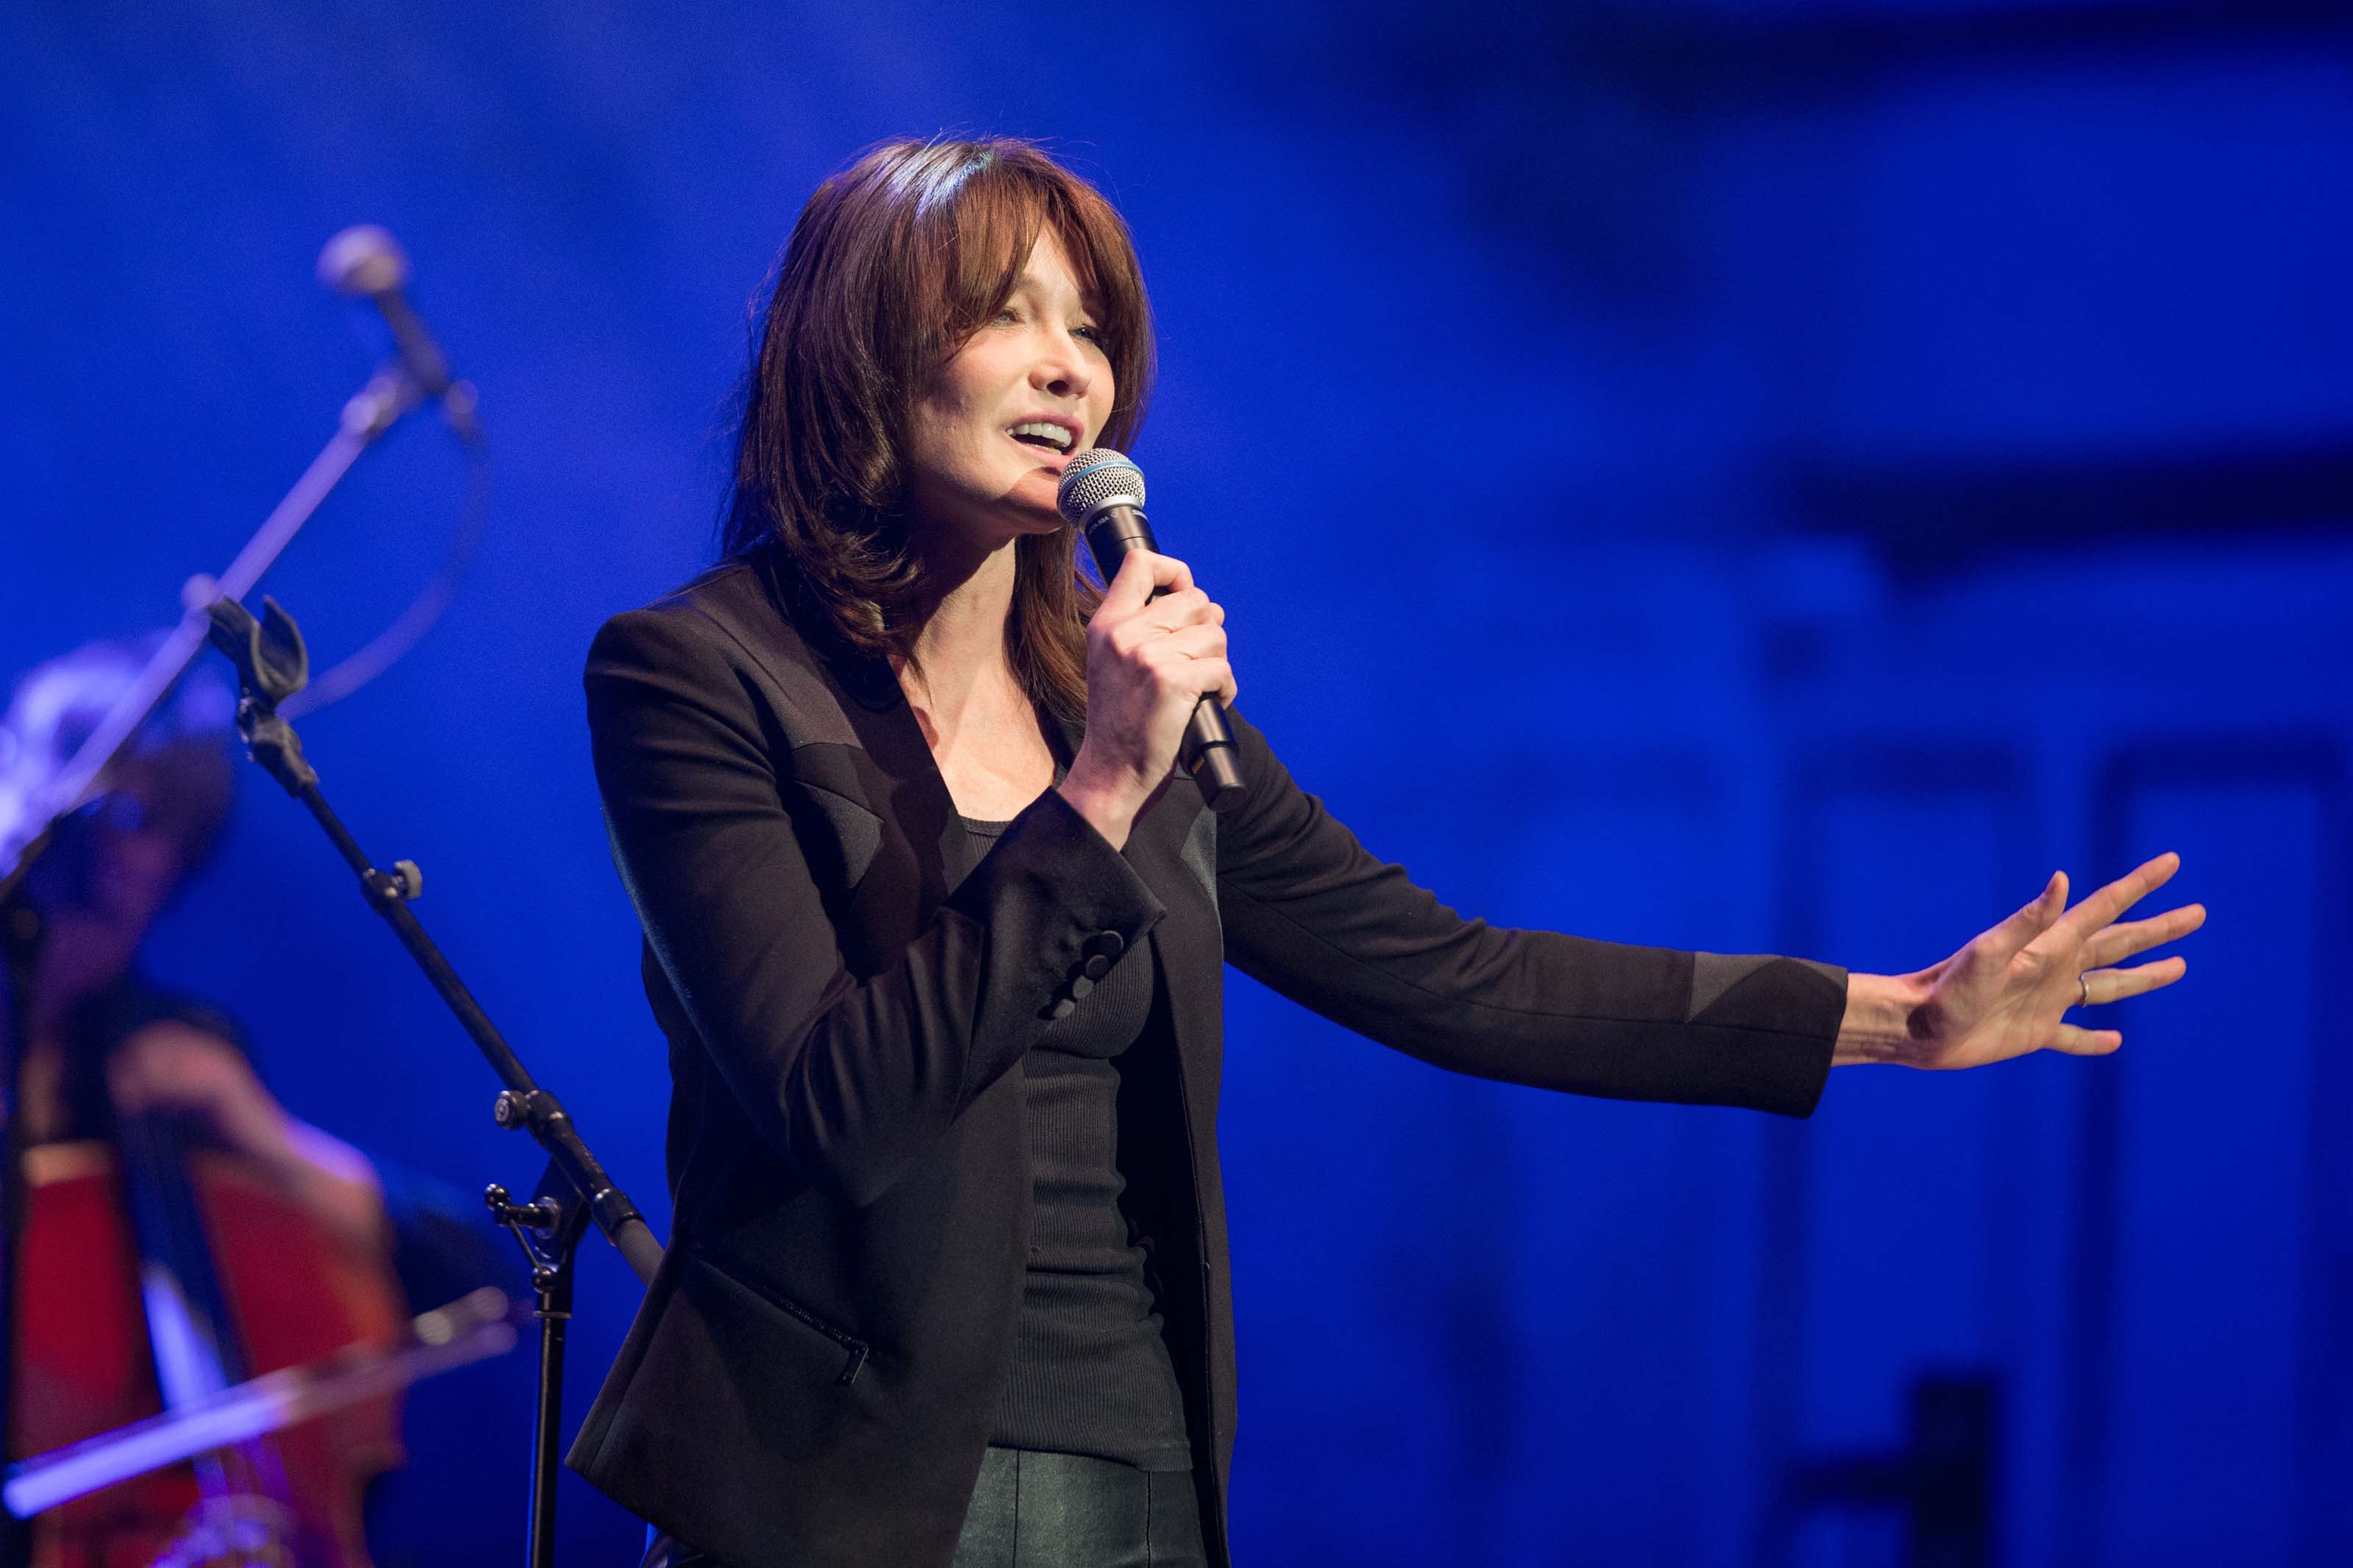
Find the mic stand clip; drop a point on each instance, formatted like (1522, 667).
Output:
(548, 1228)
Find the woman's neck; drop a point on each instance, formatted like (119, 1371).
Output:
(959, 652)
(974, 715)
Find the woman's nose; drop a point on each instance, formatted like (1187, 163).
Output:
(1061, 370)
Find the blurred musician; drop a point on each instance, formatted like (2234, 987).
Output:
(105, 1040)
(182, 1231)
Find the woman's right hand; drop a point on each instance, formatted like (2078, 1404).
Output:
(1149, 663)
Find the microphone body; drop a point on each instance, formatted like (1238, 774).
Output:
(366, 262)
(1101, 493)
(414, 345)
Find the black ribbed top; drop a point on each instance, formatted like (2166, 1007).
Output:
(1091, 1373)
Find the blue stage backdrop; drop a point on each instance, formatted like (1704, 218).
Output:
(1800, 470)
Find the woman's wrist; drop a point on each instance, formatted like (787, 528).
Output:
(335, 1181)
(1881, 1023)
(1109, 808)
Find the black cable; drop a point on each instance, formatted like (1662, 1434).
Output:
(392, 644)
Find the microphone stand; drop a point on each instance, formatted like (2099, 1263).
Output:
(573, 1189)
(375, 409)
(20, 948)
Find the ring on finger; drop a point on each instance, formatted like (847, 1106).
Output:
(2084, 980)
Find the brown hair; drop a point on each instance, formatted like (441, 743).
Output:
(894, 264)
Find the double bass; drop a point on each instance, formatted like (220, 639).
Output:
(155, 1270)
(157, 1259)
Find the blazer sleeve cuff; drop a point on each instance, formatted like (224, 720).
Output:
(1059, 905)
(1787, 1010)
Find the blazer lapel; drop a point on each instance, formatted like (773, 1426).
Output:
(898, 781)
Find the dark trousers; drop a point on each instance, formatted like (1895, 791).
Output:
(1054, 1510)
(1063, 1510)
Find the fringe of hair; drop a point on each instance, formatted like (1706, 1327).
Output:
(893, 265)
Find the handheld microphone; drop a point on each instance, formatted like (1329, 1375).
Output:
(366, 262)
(1101, 496)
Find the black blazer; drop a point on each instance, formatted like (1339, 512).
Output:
(811, 1379)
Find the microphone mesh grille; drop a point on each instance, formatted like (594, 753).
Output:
(363, 259)
(1093, 477)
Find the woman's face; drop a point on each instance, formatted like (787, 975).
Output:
(120, 861)
(991, 435)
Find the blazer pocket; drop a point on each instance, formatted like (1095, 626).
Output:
(847, 1352)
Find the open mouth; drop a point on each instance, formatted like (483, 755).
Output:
(1045, 435)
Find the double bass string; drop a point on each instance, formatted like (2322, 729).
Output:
(244, 1503)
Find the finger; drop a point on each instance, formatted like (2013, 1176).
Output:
(2105, 906)
(1201, 677)
(2128, 938)
(2116, 984)
(129, 1091)
(133, 1064)
(1140, 575)
(2078, 1042)
(1185, 607)
(2012, 935)
(1188, 644)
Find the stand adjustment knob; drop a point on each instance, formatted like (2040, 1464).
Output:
(398, 885)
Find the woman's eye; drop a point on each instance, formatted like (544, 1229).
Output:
(1093, 334)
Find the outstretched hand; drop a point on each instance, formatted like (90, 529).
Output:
(2007, 992)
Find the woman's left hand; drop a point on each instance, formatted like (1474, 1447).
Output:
(176, 1068)
(2006, 993)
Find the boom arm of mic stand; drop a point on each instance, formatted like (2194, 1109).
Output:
(574, 1190)
(271, 665)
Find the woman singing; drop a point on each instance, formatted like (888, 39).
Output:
(936, 938)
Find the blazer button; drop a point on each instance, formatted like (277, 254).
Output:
(1096, 967)
(1061, 1009)
(1080, 987)
(1105, 944)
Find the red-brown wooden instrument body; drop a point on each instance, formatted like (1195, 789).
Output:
(296, 1293)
